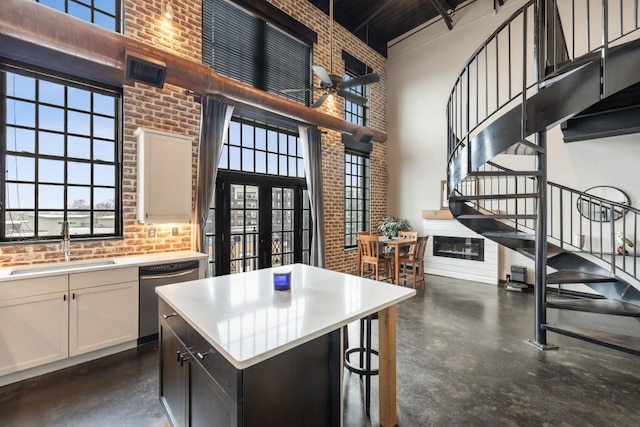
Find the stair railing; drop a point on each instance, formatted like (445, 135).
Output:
(582, 221)
(488, 82)
(567, 227)
(505, 69)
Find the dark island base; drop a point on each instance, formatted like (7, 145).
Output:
(199, 387)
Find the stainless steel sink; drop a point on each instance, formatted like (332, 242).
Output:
(59, 267)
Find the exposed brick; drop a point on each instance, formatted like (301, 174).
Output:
(169, 109)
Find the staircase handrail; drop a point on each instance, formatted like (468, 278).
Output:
(453, 138)
(561, 219)
(459, 111)
(573, 190)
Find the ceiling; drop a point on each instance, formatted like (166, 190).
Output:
(379, 21)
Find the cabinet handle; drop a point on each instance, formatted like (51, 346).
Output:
(73, 296)
(183, 358)
(64, 297)
(201, 356)
(166, 316)
(178, 356)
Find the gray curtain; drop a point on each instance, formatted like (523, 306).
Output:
(311, 142)
(214, 123)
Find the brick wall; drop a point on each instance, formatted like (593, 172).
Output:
(169, 109)
(337, 258)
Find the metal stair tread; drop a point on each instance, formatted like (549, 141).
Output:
(494, 196)
(495, 216)
(624, 343)
(520, 235)
(602, 306)
(573, 276)
(551, 252)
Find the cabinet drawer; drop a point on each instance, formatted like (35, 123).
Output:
(29, 287)
(103, 277)
(223, 372)
(173, 320)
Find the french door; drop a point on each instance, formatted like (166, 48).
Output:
(264, 222)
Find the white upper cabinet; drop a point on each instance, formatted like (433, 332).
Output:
(164, 176)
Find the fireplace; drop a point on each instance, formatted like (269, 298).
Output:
(458, 247)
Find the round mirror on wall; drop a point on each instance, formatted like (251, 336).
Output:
(606, 201)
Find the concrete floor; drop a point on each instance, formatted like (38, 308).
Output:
(462, 360)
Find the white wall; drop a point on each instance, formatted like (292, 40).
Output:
(421, 72)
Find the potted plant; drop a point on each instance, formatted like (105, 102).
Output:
(389, 226)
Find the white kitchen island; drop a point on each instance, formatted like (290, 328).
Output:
(255, 356)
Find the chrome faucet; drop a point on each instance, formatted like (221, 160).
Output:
(66, 240)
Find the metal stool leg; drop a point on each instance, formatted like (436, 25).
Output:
(365, 368)
(367, 388)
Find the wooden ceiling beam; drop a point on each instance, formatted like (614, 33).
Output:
(443, 12)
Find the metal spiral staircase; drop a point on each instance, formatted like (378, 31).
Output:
(545, 64)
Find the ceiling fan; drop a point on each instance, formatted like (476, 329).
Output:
(334, 84)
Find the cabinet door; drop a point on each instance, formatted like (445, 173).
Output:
(33, 331)
(208, 403)
(164, 176)
(173, 377)
(102, 316)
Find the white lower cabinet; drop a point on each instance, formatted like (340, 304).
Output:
(49, 319)
(102, 316)
(33, 331)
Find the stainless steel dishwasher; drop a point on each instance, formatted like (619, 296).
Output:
(152, 276)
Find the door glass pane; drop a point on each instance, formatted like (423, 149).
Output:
(244, 217)
(276, 249)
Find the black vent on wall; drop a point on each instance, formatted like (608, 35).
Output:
(146, 71)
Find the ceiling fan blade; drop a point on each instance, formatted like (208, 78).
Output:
(360, 81)
(352, 97)
(298, 90)
(322, 73)
(320, 101)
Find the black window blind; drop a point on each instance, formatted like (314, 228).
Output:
(243, 47)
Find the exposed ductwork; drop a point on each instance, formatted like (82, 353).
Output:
(41, 36)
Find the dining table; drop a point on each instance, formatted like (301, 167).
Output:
(396, 243)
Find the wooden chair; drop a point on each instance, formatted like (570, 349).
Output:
(416, 261)
(359, 252)
(372, 257)
(408, 235)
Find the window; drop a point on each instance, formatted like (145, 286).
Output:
(239, 45)
(61, 157)
(357, 195)
(60, 141)
(355, 113)
(105, 13)
(262, 169)
(259, 148)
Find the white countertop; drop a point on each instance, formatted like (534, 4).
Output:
(49, 269)
(247, 321)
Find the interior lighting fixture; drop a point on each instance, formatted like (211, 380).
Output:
(168, 10)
